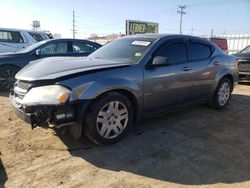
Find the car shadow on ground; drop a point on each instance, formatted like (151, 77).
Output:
(3, 175)
(194, 146)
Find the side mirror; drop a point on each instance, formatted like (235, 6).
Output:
(38, 52)
(160, 61)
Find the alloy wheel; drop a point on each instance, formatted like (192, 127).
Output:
(224, 93)
(7, 78)
(112, 119)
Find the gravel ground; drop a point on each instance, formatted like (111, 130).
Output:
(195, 147)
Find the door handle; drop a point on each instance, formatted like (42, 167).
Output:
(186, 68)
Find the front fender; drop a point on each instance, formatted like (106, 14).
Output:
(95, 89)
(90, 91)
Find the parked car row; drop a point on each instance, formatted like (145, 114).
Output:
(120, 83)
(12, 40)
(11, 63)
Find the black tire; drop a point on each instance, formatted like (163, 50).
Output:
(216, 102)
(92, 127)
(7, 77)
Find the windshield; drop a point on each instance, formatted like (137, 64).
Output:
(246, 50)
(125, 50)
(32, 47)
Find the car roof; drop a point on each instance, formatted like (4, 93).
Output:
(26, 30)
(69, 39)
(173, 36)
(161, 36)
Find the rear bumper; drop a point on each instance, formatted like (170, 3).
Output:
(58, 115)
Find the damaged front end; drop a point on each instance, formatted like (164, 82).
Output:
(47, 108)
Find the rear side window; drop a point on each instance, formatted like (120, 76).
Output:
(36, 36)
(83, 47)
(55, 48)
(176, 53)
(11, 36)
(200, 51)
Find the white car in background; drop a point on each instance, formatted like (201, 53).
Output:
(12, 40)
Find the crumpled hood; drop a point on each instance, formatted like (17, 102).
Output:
(56, 67)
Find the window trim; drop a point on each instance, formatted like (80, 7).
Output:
(200, 43)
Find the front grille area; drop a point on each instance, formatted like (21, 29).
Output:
(20, 90)
(22, 85)
(244, 65)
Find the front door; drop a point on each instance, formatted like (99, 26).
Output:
(168, 85)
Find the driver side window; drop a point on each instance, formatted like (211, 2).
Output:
(176, 53)
(55, 48)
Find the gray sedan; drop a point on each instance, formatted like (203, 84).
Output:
(122, 82)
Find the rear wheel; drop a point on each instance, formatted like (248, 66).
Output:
(222, 94)
(7, 77)
(108, 118)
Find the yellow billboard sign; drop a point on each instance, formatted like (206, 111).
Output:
(141, 27)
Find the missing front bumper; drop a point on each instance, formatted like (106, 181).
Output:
(59, 115)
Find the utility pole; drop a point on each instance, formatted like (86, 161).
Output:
(74, 25)
(192, 30)
(181, 11)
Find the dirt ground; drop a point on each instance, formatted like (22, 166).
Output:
(195, 147)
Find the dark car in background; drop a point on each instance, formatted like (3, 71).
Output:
(11, 63)
(244, 63)
(128, 79)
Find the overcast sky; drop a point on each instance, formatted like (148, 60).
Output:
(105, 17)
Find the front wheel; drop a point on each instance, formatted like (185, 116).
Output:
(222, 94)
(7, 77)
(108, 118)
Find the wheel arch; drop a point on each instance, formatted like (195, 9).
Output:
(130, 95)
(229, 76)
(224, 73)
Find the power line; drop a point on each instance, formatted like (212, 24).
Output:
(181, 11)
(220, 3)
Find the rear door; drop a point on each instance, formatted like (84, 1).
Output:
(204, 65)
(168, 85)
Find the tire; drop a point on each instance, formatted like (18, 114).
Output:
(222, 94)
(7, 77)
(109, 118)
